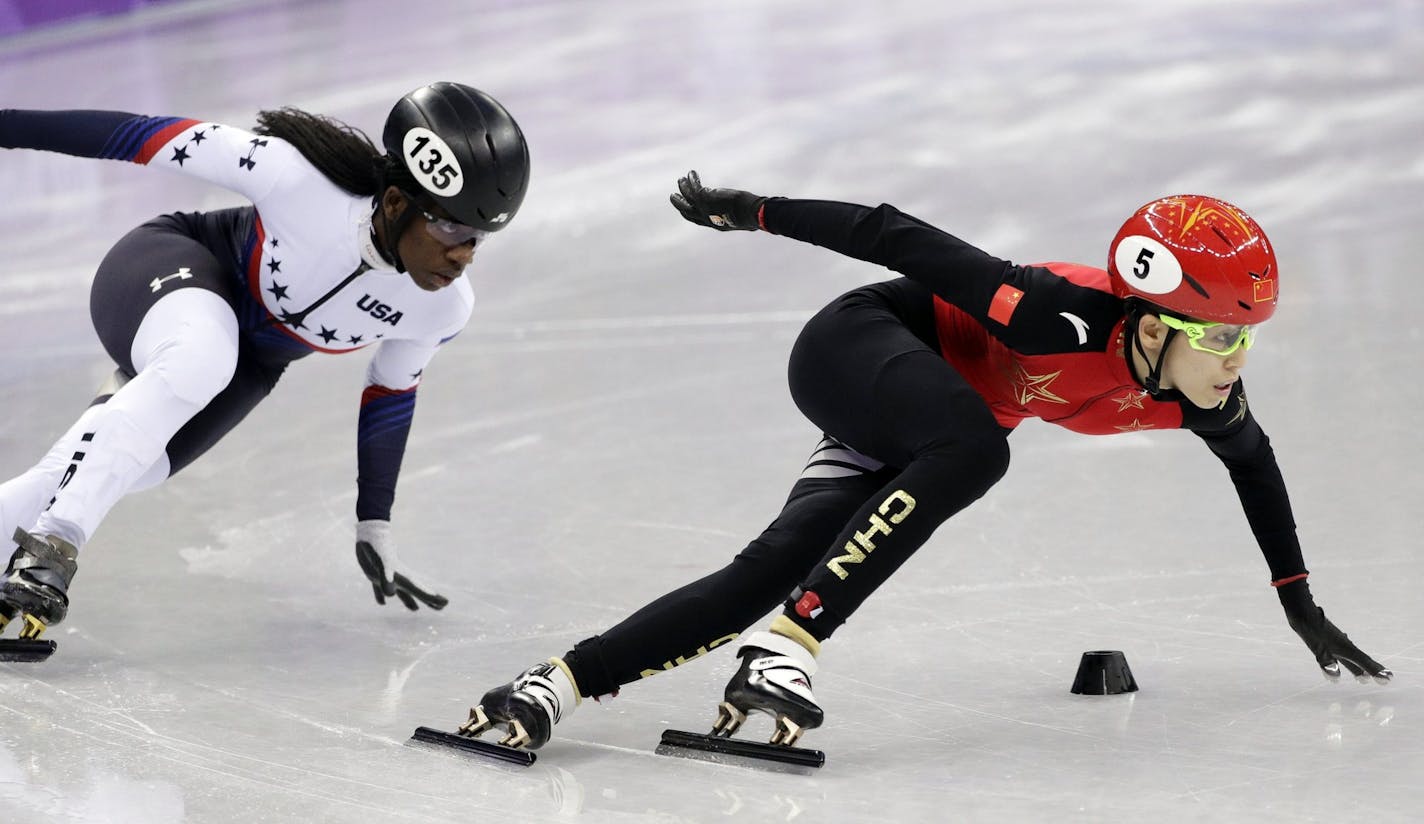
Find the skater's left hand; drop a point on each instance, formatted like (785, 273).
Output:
(376, 553)
(725, 210)
(1327, 643)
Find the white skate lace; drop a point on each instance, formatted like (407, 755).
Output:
(544, 692)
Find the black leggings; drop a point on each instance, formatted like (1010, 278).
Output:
(866, 371)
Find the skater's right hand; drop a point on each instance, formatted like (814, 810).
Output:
(1326, 642)
(376, 553)
(725, 210)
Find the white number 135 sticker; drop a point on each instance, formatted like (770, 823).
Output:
(432, 162)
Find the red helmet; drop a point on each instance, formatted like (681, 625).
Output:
(1198, 257)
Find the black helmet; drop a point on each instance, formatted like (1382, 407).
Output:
(463, 149)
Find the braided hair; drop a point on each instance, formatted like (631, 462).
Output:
(344, 154)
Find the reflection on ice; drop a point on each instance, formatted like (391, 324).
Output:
(28, 793)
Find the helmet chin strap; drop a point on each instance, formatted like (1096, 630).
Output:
(393, 231)
(1152, 381)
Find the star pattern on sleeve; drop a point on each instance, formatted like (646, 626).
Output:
(1135, 426)
(181, 153)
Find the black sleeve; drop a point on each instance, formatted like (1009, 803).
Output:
(957, 272)
(1246, 451)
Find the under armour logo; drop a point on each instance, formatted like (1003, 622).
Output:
(247, 162)
(183, 273)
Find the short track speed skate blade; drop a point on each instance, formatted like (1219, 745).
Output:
(722, 750)
(26, 649)
(465, 743)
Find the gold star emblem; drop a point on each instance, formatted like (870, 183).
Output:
(1132, 400)
(1035, 387)
(1135, 426)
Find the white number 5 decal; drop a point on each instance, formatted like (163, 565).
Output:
(1148, 265)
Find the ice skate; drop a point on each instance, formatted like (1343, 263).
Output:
(775, 679)
(35, 588)
(527, 708)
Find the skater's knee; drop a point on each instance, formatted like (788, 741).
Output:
(977, 462)
(990, 457)
(189, 340)
(196, 365)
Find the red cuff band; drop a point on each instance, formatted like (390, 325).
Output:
(1282, 582)
(761, 216)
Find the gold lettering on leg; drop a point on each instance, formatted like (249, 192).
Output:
(904, 498)
(877, 525)
(853, 556)
(902, 503)
(683, 659)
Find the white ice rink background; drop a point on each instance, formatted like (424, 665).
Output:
(614, 422)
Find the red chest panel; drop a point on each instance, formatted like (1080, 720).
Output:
(1088, 392)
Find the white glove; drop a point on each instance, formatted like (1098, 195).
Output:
(376, 553)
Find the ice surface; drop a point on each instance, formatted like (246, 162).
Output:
(615, 421)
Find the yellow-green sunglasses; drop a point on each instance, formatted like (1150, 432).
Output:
(1217, 338)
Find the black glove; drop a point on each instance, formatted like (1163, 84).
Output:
(376, 554)
(725, 210)
(1326, 642)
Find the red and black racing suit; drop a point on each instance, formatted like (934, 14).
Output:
(917, 383)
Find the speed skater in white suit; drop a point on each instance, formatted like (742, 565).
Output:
(344, 247)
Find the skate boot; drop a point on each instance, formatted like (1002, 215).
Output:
(528, 707)
(775, 678)
(36, 583)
